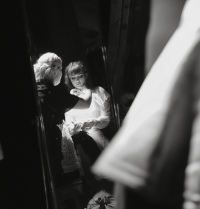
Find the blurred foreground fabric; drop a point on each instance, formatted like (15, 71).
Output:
(156, 152)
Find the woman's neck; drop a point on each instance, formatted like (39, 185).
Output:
(83, 88)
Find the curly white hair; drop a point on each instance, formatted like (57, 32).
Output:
(42, 68)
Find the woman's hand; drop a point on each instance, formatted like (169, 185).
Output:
(74, 128)
(75, 92)
(84, 93)
(89, 124)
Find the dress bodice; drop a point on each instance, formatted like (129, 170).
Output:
(95, 110)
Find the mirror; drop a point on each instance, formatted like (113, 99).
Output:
(72, 30)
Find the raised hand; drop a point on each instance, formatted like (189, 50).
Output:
(89, 124)
(75, 92)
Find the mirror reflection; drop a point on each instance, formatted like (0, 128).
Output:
(77, 118)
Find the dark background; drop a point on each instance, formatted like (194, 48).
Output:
(21, 183)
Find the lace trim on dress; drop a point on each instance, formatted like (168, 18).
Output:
(70, 160)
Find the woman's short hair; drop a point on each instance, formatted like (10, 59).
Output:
(72, 69)
(42, 68)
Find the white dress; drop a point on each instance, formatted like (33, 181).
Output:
(99, 109)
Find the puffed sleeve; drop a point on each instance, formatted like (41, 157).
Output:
(103, 98)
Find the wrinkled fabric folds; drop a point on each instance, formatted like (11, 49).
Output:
(150, 151)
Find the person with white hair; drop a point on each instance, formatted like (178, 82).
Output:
(54, 100)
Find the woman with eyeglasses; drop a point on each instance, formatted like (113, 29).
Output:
(54, 101)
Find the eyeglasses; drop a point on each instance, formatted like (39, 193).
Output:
(56, 66)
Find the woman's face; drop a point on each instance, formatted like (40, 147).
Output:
(78, 80)
(56, 67)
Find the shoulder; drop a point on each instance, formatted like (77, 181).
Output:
(100, 90)
(102, 93)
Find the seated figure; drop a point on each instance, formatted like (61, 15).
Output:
(86, 119)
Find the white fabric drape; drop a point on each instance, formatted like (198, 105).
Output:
(149, 151)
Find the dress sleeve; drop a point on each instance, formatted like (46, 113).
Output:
(104, 103)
